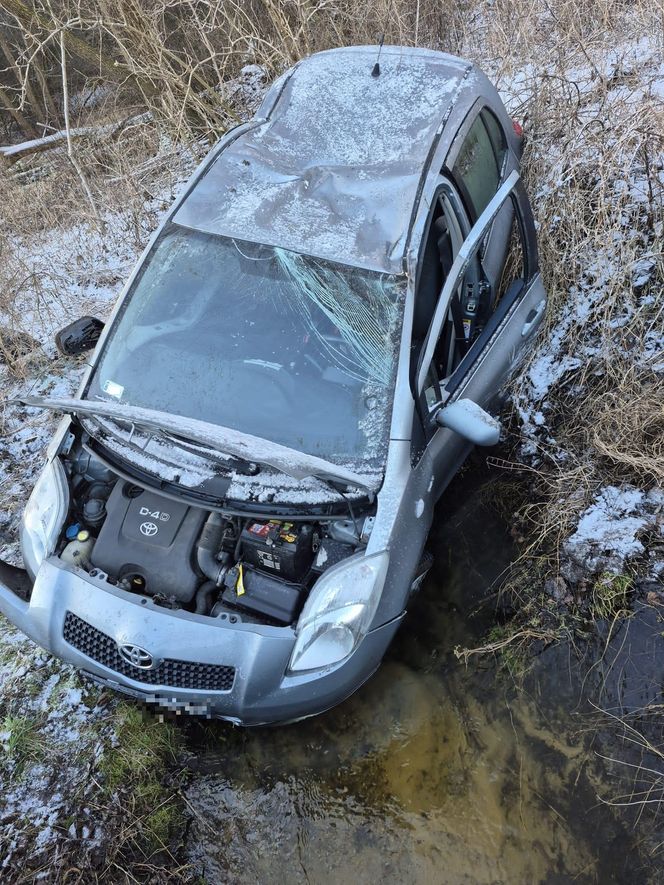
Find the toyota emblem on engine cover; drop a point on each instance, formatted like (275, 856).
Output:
(149, 529)
(136, 656)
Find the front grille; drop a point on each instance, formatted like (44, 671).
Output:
(176, 674)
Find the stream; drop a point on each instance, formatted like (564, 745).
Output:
(435, 771)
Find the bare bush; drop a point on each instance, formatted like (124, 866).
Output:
(173, 55)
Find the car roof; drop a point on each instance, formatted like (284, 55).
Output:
(333, 163)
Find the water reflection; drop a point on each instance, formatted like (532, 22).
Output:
(432, 772)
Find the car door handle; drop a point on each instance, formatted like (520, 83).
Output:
(533, 318)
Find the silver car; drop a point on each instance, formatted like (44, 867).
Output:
(234, 510)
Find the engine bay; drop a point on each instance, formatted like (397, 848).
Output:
(216, 564)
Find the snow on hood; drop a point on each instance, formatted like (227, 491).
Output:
(231, 442)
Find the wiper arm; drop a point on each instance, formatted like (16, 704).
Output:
(228, 462)
(241, 445)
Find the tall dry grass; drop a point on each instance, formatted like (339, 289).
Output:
(589, 86)
(172, 55)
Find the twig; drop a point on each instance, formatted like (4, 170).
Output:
(70, 149)
(490, 647)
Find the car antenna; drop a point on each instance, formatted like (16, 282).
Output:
(376, 68)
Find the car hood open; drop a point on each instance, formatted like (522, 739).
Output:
(223, 439)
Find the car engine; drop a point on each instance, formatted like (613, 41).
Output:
(148, 539)
(207, 562)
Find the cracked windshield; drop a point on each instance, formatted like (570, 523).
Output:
(286, 347)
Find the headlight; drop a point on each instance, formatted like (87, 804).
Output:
(338, 612)
(44, 515)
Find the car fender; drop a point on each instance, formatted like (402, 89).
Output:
(403, 520)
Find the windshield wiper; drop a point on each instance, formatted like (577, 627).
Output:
(232, 442)
(226, 462)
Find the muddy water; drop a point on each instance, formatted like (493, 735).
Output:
(433, 771)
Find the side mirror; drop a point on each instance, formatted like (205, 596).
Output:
(79, 336)
(470, 421)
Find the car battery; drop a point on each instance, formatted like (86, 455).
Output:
(284, 549)
(262, 594)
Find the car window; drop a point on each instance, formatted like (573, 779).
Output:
(511, 286)
(296, 350)
(432, 391)
(514, 266)
(440, 246)
(496, 135)
(478, 166)
(436, 260)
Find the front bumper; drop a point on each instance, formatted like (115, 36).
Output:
(261, 692)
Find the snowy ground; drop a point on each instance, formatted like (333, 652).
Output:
(52, 735)
(610, 532)
(603, 348)
(53, 730)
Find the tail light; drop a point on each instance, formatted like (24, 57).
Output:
(518, 128)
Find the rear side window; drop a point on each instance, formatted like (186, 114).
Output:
(478, 166)
(497, 136)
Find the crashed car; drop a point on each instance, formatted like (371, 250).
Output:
(234, 510)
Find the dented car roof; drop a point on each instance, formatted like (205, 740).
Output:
(332, 165)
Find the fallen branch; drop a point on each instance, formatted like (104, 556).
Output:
(14, 152)
(493, 647)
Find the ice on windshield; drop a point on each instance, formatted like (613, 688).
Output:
(292, 349)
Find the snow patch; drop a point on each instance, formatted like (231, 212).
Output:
(607, 534)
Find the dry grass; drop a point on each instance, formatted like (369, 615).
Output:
(629, 430)
(594, 167)
(173, 55)
(132, 175)
(594, 119)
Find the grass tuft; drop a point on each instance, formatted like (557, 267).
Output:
(133, 772)
(610, 595)
(22, 742)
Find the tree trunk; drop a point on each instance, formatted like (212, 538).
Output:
(26, 85)
(46, 92)
(24, 124)
(35, 105)
(93, 58)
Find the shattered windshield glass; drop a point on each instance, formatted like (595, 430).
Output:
(294, 349)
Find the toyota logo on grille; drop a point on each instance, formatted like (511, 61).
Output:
(149, 529)
(136, 656)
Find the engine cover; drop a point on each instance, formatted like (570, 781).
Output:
(151, 536)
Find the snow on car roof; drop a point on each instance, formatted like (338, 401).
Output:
(333, 169)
